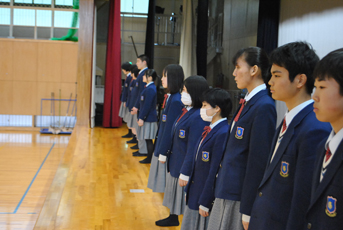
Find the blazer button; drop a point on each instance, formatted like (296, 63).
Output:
(220, 165)
(309, 225)
(192, 181)
(260, 194)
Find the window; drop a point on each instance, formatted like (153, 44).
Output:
(44, 21)
(132, 7)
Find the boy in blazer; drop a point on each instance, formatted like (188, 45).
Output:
(284, 192)
(326, 207)
(142, 65)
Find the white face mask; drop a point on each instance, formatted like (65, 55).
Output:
(204, 116)
(186, 98)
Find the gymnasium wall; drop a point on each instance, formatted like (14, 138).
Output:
(31, 69)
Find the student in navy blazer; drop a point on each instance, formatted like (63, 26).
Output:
(326, 206)
(142, 65)
(147, 116)
(247, 143)
(284, 193)
(186, 131)
(207, 154)
(172, 81)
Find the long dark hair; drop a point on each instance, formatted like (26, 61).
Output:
(175, 77)
(195, 86)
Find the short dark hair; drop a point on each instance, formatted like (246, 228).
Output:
(133, 67)
(126, 66)
(220, 97)
(195, 86)
(175, 77)
(143, 58)
(135, 71)
(151, 73)
(297, 58)
(255, 56)
(331, 66)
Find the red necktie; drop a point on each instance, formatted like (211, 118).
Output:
(284, 126)
(184, 111)
(207, 129)
(327, 154)
(165, 99)
(242, 103)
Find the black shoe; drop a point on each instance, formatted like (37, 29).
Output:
(132, 141)
(128, 135)
(134, 147)
(138, 154)
(172, 220)
(148, 161)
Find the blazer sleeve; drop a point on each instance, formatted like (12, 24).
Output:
(195, 130)
(173, 113)
(207, 196)
(307, 147)
(148, 98)
(141, 85)
(261, 136)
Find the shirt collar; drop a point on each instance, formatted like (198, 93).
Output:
(334, 140)
(217, 122)
(143, 69)
(291, 114)
(257, 89)
(129, 74)
(149, 83)
(189, 107)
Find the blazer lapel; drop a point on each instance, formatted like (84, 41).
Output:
(334, 165)
(252, 101)
(213, 131)
(285, 141)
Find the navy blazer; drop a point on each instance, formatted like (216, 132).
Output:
(326, 210)
(284, 193)
(129, 99)
(134, 94)
(140, 85)
(148, 98)
(185, 135)
(247, 151)
(125, 90)
(206, 160)
(169, 114)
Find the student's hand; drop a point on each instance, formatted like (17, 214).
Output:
(163, 162)
(134, 111)
(124, 104)
(182, 183)
(140, 122)
(245, 225)
(203, 213)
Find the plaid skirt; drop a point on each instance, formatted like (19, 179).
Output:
(174, 195)
(157, 175)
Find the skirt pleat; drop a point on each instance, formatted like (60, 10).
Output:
(157, 175)
(174, 195)
(147, 131)
(192, 220)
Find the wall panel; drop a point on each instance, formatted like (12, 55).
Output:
(6, 70)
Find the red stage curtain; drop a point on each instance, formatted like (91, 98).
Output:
(113, 69)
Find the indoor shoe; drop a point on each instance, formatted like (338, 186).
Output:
(172, 220)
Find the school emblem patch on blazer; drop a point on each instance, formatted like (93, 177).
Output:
(164, 117)
(142, 98)
(284, 169)
(125, 84)
(331, 206)
(136, 84)
(239, 133)
(182, 133)
(205, 156)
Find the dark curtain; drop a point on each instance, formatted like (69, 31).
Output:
(268, 24)
(150, 33)
(202, 28)
(113, 69)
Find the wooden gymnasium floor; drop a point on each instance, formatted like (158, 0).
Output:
(93, 183)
